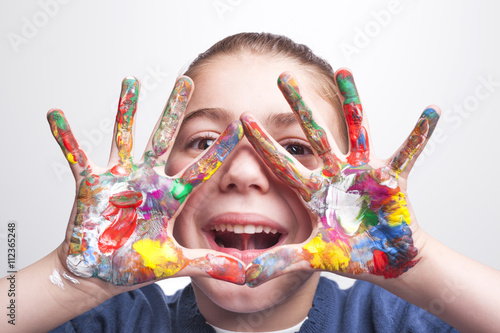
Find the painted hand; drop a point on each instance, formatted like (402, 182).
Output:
(363, 215)
(122, 227)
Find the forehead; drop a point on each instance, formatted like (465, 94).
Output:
(247, 83)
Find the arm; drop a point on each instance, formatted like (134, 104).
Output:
(119, 236)
(366, 227)
(453, 287)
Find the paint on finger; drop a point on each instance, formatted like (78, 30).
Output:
(201, 170)
(353, 111)
(172, 114)
(420, 134)
(127, 107)
(283, 166)
(64, 137)
(314, 132)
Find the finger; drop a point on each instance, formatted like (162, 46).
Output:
(166, 259)
(173, 113)
(314, 133)
(281, 163)
(353, 111)
(414, 145)
(326, 251)
(220, 267)
(272, 264)
(121, 150)
(71, 149)
(202, 169)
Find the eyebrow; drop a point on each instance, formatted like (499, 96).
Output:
(282, 119)
(217, 114)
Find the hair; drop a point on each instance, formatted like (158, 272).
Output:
(283, 47)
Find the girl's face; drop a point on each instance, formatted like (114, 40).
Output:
(244, 209)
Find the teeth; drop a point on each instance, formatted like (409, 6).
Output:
(238, 229)
(249, 229)
(244, 229)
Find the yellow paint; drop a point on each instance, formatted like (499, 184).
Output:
(399, 211)
(163, 258)
(328, 256)
(71, 158)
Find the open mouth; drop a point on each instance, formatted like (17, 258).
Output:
(245, 242)
(248, 237)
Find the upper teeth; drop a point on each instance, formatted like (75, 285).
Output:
(244, 229)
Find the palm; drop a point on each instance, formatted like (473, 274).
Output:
(122, 228)
(363, 218)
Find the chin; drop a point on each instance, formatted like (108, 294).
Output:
(243, 299)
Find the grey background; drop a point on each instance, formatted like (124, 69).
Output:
(404, 54)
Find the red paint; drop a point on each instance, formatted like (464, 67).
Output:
(123, 208)
(380, 262)
(357, 133)
(226, 269)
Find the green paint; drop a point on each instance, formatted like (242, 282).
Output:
(348, 89)
(180, 191)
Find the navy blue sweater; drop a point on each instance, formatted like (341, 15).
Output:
(362, 308)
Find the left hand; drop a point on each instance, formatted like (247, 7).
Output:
(363, 214)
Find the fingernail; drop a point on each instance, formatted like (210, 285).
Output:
(252, 273)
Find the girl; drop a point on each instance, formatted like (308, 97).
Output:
(295, 195)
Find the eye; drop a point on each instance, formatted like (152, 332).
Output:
(201, 141)
(302, 151)
(296, 150)
(295, 147)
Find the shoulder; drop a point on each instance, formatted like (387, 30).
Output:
(368, 308)
(146, 309)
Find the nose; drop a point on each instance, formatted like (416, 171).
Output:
(244, 171)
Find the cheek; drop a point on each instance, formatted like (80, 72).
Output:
(175, 164)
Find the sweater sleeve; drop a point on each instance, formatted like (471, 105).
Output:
(143, 310)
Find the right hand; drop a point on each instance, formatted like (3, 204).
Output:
(122, 222)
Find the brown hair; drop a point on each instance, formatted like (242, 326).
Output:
(281, 46)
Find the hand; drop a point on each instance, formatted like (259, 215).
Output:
(363, 215)
(122, 227)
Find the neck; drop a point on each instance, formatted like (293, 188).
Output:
(276, 305)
